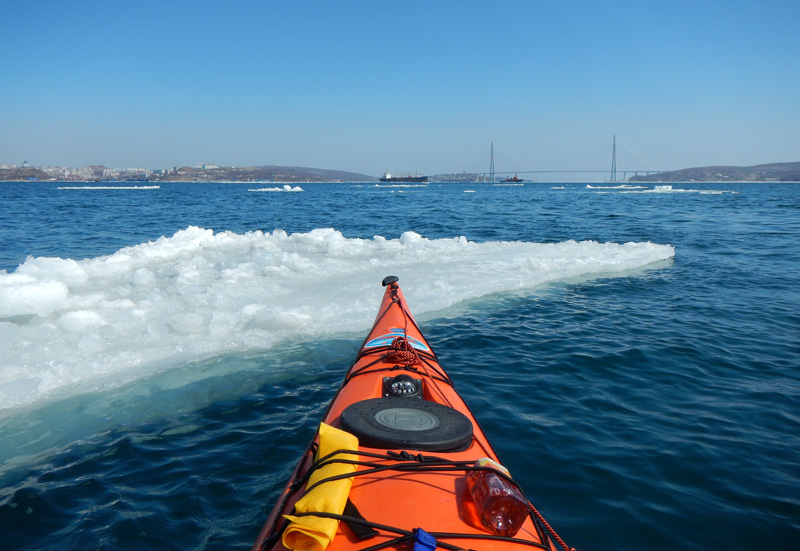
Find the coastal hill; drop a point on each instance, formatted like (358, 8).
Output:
(22, 174)
(773, 172)
(207, 173)
(253, 173)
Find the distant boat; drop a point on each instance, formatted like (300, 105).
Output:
(402, 179)
(513, 180)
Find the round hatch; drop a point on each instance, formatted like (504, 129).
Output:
(408, 424)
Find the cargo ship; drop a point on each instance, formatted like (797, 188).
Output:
(402, 179)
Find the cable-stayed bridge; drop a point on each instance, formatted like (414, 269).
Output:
(492, 175)
(500, 176)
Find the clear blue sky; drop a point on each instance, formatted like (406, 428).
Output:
(423, 86)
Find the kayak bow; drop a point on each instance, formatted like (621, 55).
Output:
(399, 459)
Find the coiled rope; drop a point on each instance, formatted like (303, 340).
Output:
(401, 352)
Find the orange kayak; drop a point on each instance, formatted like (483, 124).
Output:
(399, 462)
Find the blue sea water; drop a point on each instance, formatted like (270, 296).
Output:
(652, 407)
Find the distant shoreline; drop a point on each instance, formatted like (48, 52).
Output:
(772, 172)
(119, 184)
(274, 174)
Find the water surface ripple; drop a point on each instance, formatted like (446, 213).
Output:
(657, 410)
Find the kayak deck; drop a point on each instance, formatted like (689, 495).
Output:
(417, 440)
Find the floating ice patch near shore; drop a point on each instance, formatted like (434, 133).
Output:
(76, 326)
(664, 188)
(620, 186)
(670, 189)
(110, 187)
(286, 187)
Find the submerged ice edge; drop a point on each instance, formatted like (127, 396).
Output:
(69, 327)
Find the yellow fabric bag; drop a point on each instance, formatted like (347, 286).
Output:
(314, 533)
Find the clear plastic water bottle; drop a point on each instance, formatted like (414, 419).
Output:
(500, 505)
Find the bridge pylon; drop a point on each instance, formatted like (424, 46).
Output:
(614, 160)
